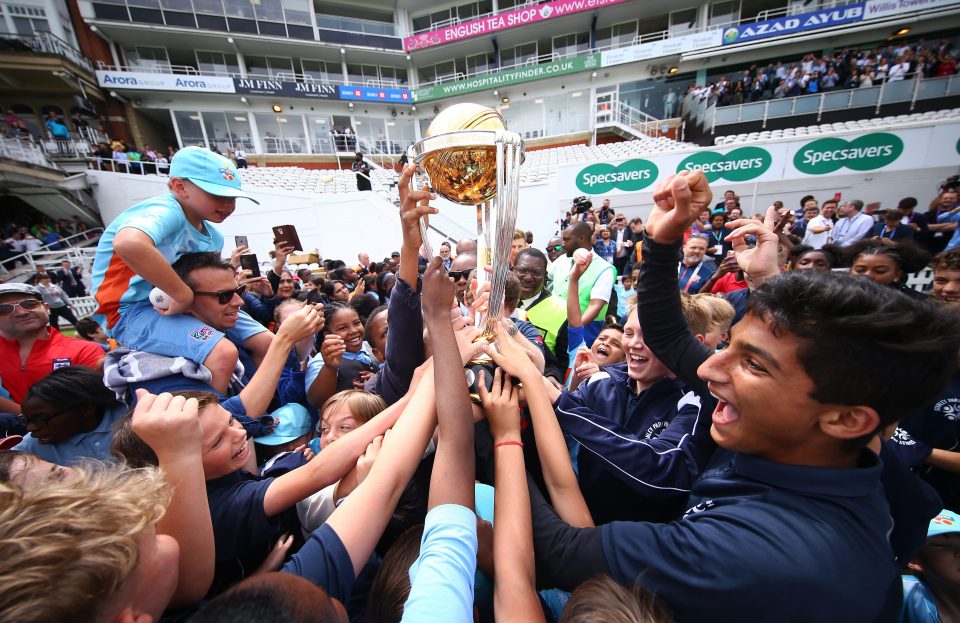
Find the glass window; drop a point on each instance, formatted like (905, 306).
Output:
(217, 63)
(297, 12)
(320, 128)
(240, 8)
(321, 71)
(478, 63)
(570, 45)
(683, 20)
(269, 10)
(400, 134)
(209, 7)
(520, 55)
(269, 66)
(188, 124)
(148, 59)
(724, 12)
(281, 134)
(228, 130)
(176, 5)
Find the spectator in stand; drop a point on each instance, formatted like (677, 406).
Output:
(891, 227)
(362, 169)
(853, 225)
(606, 212)
(70, 279)
(818, 226)
(29, 348)
(57, 301)
(58, 130)
(15, 124)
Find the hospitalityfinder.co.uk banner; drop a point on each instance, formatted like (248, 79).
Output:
(502, 21)
(508, 77)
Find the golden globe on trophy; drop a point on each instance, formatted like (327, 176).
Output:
(471, 159)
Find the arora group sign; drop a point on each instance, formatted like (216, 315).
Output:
(163, 82)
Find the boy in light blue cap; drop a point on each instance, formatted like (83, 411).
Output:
(932, 595)
(136, 252)
(293, 429)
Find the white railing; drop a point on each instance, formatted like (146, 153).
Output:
(898, 91)
(46, 257)
(24, 150)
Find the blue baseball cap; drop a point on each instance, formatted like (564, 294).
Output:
(944, 523)
(294, 422)
(212, 172)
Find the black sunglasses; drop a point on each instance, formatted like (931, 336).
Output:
(44, 420)
(457, 275)
(26, 305)
(223, 296)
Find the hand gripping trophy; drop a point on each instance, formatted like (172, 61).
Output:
(471, 159)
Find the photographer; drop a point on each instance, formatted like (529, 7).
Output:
(580, 208)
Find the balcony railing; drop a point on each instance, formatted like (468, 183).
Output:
(898, 91)
(349, 24)
(46, 43)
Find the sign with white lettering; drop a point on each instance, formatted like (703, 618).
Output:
(790, 24)
(145, 81)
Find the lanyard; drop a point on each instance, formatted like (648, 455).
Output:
(883, 232)
(693, 275)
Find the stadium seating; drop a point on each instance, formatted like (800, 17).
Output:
(861, 125)
(542, 164)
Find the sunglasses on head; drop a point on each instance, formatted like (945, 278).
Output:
(223, 296)
(26, 305)
(457, 275)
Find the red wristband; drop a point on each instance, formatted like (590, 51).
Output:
(508, 443)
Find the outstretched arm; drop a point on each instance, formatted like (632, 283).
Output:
(514, 593)
(171, 427)
(453, 468)
(558, 472)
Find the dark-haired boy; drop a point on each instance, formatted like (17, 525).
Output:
(792, 523)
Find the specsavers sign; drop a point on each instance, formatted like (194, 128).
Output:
(787, 160)
(506, 78)
(740, 165)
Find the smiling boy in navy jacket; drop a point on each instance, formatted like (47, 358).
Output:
(793, 524)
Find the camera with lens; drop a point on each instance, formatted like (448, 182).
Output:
(950, 184)
(581, 204)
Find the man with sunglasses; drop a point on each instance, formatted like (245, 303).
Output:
(554, 249)
(29, 348)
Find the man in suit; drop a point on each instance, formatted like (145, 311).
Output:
(70, 280)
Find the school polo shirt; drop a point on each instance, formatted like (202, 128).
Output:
(92, 445)
(243, 534)
(55, 351)
(442, 577)
(325, 561)
(766, 541)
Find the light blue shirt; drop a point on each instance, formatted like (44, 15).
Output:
(316, 364)
(918, 605)
(951, 217)
(623, 295)
(92, 445)
(441, 579)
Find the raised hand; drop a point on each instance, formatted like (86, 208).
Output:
(438, 290)
(501, 404)
(762, 261)
(413, 205)
(678, 200)
(167, 423)
(331, 350)
(304, 322)
(509, 354)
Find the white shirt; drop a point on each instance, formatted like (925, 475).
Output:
(817, 240)
(852, 228)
